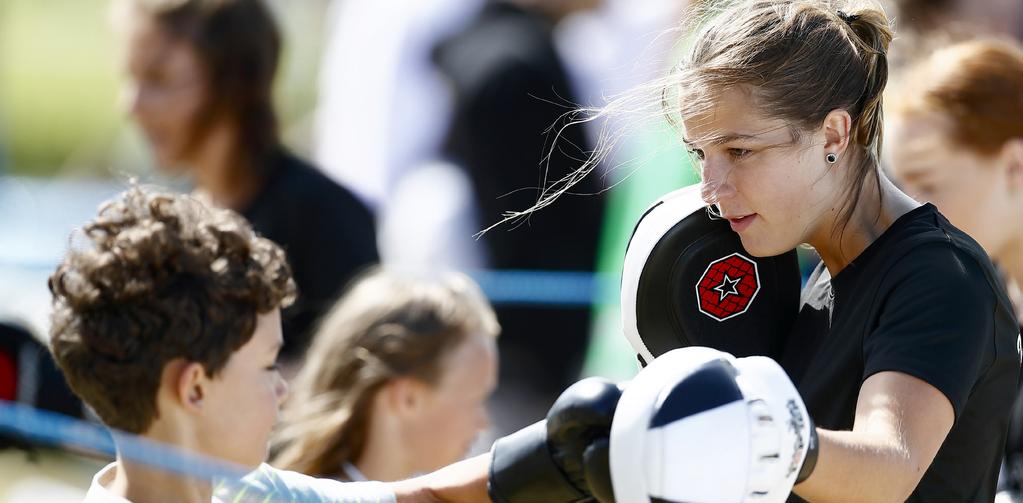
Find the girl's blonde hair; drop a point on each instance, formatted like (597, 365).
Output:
(385, 326)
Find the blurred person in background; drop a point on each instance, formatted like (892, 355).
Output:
(957, 141)
(200, 77)
(382, 112)
(510, 86)
(928, 25)
(1004, 17)
(396, 381)
(383, 107)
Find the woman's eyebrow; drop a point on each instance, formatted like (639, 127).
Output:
(717, 140)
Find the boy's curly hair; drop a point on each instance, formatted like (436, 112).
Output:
(161, 277)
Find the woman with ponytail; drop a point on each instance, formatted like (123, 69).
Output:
(905, 347)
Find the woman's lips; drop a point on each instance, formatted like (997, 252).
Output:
(740, 224)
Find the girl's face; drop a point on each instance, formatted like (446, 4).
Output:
(966, 186)
(775, 192)
(453, 412)
(165, 90)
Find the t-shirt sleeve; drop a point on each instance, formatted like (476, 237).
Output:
(267, 484)
(935, 321)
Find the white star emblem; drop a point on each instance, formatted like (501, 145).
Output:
(727, 287)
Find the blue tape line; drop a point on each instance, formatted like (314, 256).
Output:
(50, 428)
(545, 288)
(507, 286)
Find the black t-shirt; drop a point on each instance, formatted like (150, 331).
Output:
(328, 235)
(923, 300)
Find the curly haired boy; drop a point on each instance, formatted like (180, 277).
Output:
(166, 322)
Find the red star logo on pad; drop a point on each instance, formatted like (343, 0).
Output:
(728, 287)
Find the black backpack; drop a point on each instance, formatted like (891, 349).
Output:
(28, 375)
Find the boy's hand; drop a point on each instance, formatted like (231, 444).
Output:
(462, 482)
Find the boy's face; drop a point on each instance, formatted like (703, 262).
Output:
(243, 399)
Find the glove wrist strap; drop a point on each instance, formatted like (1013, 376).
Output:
(810, 462)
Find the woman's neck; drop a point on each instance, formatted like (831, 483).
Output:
(222, 172)
(1010, 261)
(869, 220)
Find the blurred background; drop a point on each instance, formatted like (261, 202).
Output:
(425, 112)
(378, 96)
(61, 79)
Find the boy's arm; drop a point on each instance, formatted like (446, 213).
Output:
(557, 459)
(462, 482)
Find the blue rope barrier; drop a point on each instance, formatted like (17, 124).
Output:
(57, 430)
(513, 287)
(545, 288)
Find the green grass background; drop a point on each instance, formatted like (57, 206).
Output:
(59, 79)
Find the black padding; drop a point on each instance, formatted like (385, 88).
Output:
(710, 387)
(523, 471)
(667, 312)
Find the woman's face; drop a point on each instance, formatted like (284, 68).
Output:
(963, 184)
(165, 90)
(454, 410)
(776, 193)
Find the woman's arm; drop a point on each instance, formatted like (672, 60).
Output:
(901, 421)
(462, 482)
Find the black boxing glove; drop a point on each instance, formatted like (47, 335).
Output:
(555, 459)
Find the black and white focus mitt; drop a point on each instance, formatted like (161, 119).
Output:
(700, 426)
(687, 281)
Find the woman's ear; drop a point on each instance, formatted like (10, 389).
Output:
(837, 129)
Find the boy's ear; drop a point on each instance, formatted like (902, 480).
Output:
(190, 384)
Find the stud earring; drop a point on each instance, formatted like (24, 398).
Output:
(831, 158)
